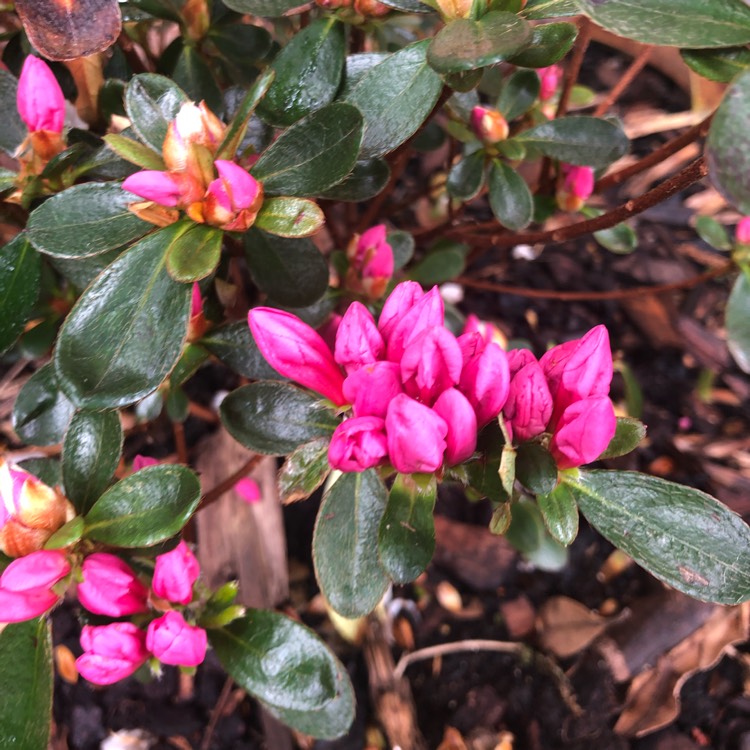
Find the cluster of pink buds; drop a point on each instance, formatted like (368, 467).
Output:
(488, 125)
(211, 191)
(370, 263)
(110, 587)
(565, 394)
(28, 586)
(417, 393)
(576, 188)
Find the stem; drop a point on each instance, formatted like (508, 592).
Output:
(639, 62)
(576, 60)
(224, 486)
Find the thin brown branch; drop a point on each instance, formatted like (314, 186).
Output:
(639, 62)
(225, 485)
(218, 710)
(576, 61)
(178, 431)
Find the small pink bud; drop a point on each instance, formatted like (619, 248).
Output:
(175, 573)
(248, 490)
(742, 232)
(416, 436)
(431, 364)
(488, 331)
(577, 187)
(26, 585)
(358, 444)
(232, 202)
(172, 641)
(471, 344)
(111, 587)
(141, 462)
(489, 125)
(111, 652)
(484, 381)
(372, 262)
(583, 432)
(458, 413)
(549, 80)
(296, 351)
(529, 405)
(40, 99)
(358, 341)
(518, 358)
(428, 312)
(403, 297)
(371, 388)
(156, 186)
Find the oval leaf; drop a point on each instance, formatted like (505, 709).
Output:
(42, 411)
(304, 471)
(510, 198)
(560, 514)
(195, 78)
(535, 468)
(519, 94)
(290, 217)
(20, 273)
(152, 102)
(627, 437)
(738, 321)
(366, 180)
(12, 128)
(550, 42)
(466, 177)
(717, 64)
(194, 254)
(235, 346)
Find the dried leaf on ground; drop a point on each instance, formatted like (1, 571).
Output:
(566, 626)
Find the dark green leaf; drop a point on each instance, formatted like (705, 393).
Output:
(560, 514)
(192, 357)
(627, 437)
(463, 81)
(194, 253)
(275, 418)
(42, 412)
(290, 217)
(441, 265)
(540, 9)
(49, 470)
(345, 544)
(134, 152)
(80, 272)
(242, 44)
(152, 102)
(738, 321)
(234, 345)
(550, 42)
(685, 537)
(409, 6)
(620, 239)
(518, 94)
(536, 469)
(195, 78)
(402, 245)
(145, 508)
(12, 128)
(466, 177)
(510, 198)
(85, 220)
(715, 234)
(366, 180)
(717, 64)
(91, 452)
(304, 471)
(528, 534)
(273, 8)
(20, 273)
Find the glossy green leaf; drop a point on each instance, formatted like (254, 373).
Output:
(272, 8)
(586, 141)
(80, 272)
(395, 97)
(241, 44)
(85, 220)
(152, 102)
(528, 534)
(26, 685)
(540, 9)
(145, 508)
(313, 154)
(49, 470)
(134, 152)
(467, 45)
(519, 93)
(406, 538)
(550, 42)
(20, 273)
(67, 535)
(510, 198)
(304, 471)
(91, 452)
(738, 321)
(466, 177)
(717, 64)
(715, 234)
(308, 73)
(194, 253)
(683, 536)
(627, 437)
(560, 514)
(409, 6)
(292, 272)
(275, 418)
(442, 264)
(194, 77)
(535, 468)
(234, 345)
(126, 332)
(290, 217)
(12, 128)
(366, 180)
(192, 357)
(42, 412)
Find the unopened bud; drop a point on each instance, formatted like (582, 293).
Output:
(578, 184)
(742, 232)
(549, 80)
(488, 125)
(371, 8)
(194, 125)
(450, 10)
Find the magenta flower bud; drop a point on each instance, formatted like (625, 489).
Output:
(518, 358)
(358, 341)
(142, 462)
(26, 585)
(111, 587)
(40, 99)
(529, 405)
(232, 202)
(372, 262)
(111, 652)
(742, 232)
(583, 432)
(296, 351)
(399, 302)
(471, 344)
(577, 187)
(431, 364)
(358, 444)
(484, 381)
(428, 312)
(155, 186)
(196, 301)
(329, 329)
(172, 641)
(248, 490)
(240, 186)
(175, 573)
(489, 125)
(371, 388)
(458, 413)
(416, 436)
(549, 80)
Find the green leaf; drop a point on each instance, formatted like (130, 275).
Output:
(272, 8)
(91, 452)
(235, 346)
(20, 274)
(518, 94)
(728, 144)
(195, 78)
(125, 333)
(152, 102)
(194, 253)
(308, 73)
(717, 64)
(528, 534)
(627, 437)
(192, 357)
(402, 245)
(26, 685)
(683, 536)
(85, 220)
(550, 42)
(275, 418)
(291, 272)
(42, 412)
(466, 177)
(366, 180)
(586, 141)
(12, 128)
(409, 6)
(134, 152)
(406, 539)
(738, 321)
(443, 264)
(535, 468)
(313, 154)
(620, 239)
(290, 217)
(66, 535)
(540, 9)
(560, 514)
(145, 508)
(510, 198)
(49, 470)
(345, 544)
(304, 471)
(395, 97)
(715, 234)
(673, 23)
(466, 45)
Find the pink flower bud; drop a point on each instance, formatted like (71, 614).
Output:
(488, 331)
(427, 313)
(296, 351)
(578, 184)
(40, 99)
(111, 587)
(742, 232)
(471, 343)
(529, 405)
(416, 436)
(141, 462)
(248, 490)
(329, 329)
(156, 186)
(172, 641)
(232, 202)
(583, 432)
(26, 585)
(194, 125)
(458, 413)
(358, 444)
(489, 125)
(175, 573)
(549, 80)
(358, 341)
(399, 302)
(371, 262)
(518, 358)
(111, 652)
(371, 388)
(431, 364)
(484, 381)
(196, 301)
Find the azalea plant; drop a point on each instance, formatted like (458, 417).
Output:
(239, 206)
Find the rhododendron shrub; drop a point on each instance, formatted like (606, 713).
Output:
(249, 209)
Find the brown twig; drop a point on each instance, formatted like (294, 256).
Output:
(178, 430)
(639, 62)
(576, 61)
(224, 486)
(218, 710)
